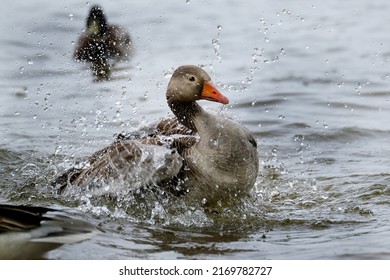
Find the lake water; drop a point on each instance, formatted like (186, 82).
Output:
(310, 79)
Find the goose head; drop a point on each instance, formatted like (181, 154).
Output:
(190, 83)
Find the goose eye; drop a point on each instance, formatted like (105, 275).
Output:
(191, 78)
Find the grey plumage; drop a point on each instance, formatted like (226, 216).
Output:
(209, 157)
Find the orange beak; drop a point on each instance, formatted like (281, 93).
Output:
(211, 93)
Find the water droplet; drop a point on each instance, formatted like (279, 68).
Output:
(168, 73)
(71, 16)
(219, 27)
(21, 69)
(188, 1)
(30, 62)
(281, 117)
(257, 54)
(215, 43)
(299, 138)
(159, 84)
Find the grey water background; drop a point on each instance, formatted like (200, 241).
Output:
(310, 79)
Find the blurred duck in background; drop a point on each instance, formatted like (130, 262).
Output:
(101, 42)
(28, 232)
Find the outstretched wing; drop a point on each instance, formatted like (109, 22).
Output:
(135, 159)
(128, 163)
(118, 158)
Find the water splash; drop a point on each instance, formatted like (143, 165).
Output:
(215, 42)
(168, 73)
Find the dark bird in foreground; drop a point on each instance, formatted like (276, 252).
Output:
(101, 42)
(203, 156)
(28, 232)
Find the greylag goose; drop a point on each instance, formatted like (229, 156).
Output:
(101, 42)
(28, 232)
(207, 157)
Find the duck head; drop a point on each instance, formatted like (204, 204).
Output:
(96, 21)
